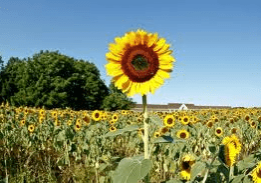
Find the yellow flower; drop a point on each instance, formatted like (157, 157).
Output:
(169, 120)
(96, 115)
(232, 149)
(124, 112)
(86, 118)
(185, 120)
(69, 122)
(183, 134)
(164, 130)
(139, 62)
(112, 128)
(31, 128)
(22, 122)
(156, 134)
(115, 117)
(256, 173)
(209, 124)
(219, 131)
(186, 162)
(78, 126)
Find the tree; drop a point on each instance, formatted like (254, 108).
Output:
(54, 80)
(117, 100)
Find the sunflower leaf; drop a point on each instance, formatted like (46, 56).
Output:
(196, 169)
(246, 163)
(156, 120)
(131, 170)
(238, 178)
(167, 139)
(121, 131)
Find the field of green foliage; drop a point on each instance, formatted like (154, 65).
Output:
(38, 145)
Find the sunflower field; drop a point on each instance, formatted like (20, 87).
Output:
(39, 145)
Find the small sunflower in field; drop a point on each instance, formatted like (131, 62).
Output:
(139, 62)
(185, 165)
(218, 131)
(112, 128)
(259, 119)
(252, 124)
(111, 122)
(156, 134)
(78, 126)
(234, 130)
(96, 115)
(69, 122)
(31, 128)
(164, 130)
(141, 132)
(185, 120)
(54, 114)
(87, 119)
(22, 122)
(41, 119)
(247, 117)
(256, 173)
(115, 117)
(42, 112)
(169, 121)
(210, 124)
(183, 134)
(124, 112)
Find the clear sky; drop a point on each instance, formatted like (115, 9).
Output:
(216, 43)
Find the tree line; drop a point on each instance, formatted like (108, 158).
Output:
(52, 80)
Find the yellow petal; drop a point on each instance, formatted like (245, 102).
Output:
(166, 66)
(166, 59)
(163, 74)
(121, 80)
(152, 39)
(164, 49)
(111, 56)
(159, 44)
(113, 69)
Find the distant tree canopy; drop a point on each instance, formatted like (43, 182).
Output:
(52, 80)
(117, 100)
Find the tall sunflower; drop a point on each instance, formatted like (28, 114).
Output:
(139, 62)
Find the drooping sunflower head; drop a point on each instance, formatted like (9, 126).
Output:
(185, 165)
(164, 130)
(139, 62)
(256, 173)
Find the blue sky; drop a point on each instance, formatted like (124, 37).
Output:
(216, 43)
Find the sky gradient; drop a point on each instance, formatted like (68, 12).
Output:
(216, 44)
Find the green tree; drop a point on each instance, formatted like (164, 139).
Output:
(117, 100)
(54, 80)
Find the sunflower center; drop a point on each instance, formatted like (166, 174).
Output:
(185, 165)
(218, 131)
(183, 135)
(140, 63)
(169, 121)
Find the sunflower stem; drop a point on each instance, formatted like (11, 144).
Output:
(146, 133)
(146, 127)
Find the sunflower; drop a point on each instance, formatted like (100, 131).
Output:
(31, 128)
(141, 132)
(112, 128)
(22, 122)
(78, 126)
(96, 115)
(259, 119)
(156, 134)
(111, 122)
(183, 134)
(115, 117)
(54, 114)
(164, 130)
(209, 124)
(69, 122)
(186, 162)
(86, 118)
(185, 120)
(169, 120)
(232, 149)
(41, 119)
(256, 173)
(219, 131)
(139, 62)
(252, 123)
(124, 112)
(234, 130)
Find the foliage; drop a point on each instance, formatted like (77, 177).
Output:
(117, 100)
(53, 80)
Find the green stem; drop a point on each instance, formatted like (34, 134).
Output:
(146, 127)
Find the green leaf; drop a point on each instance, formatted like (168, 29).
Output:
(212, 148)
(166, 139)
(121, 131)
(246, 180)
(131, 170)
(174, 181)
(246, 162)
(238, 178)
(156, 120)
(196, 169)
